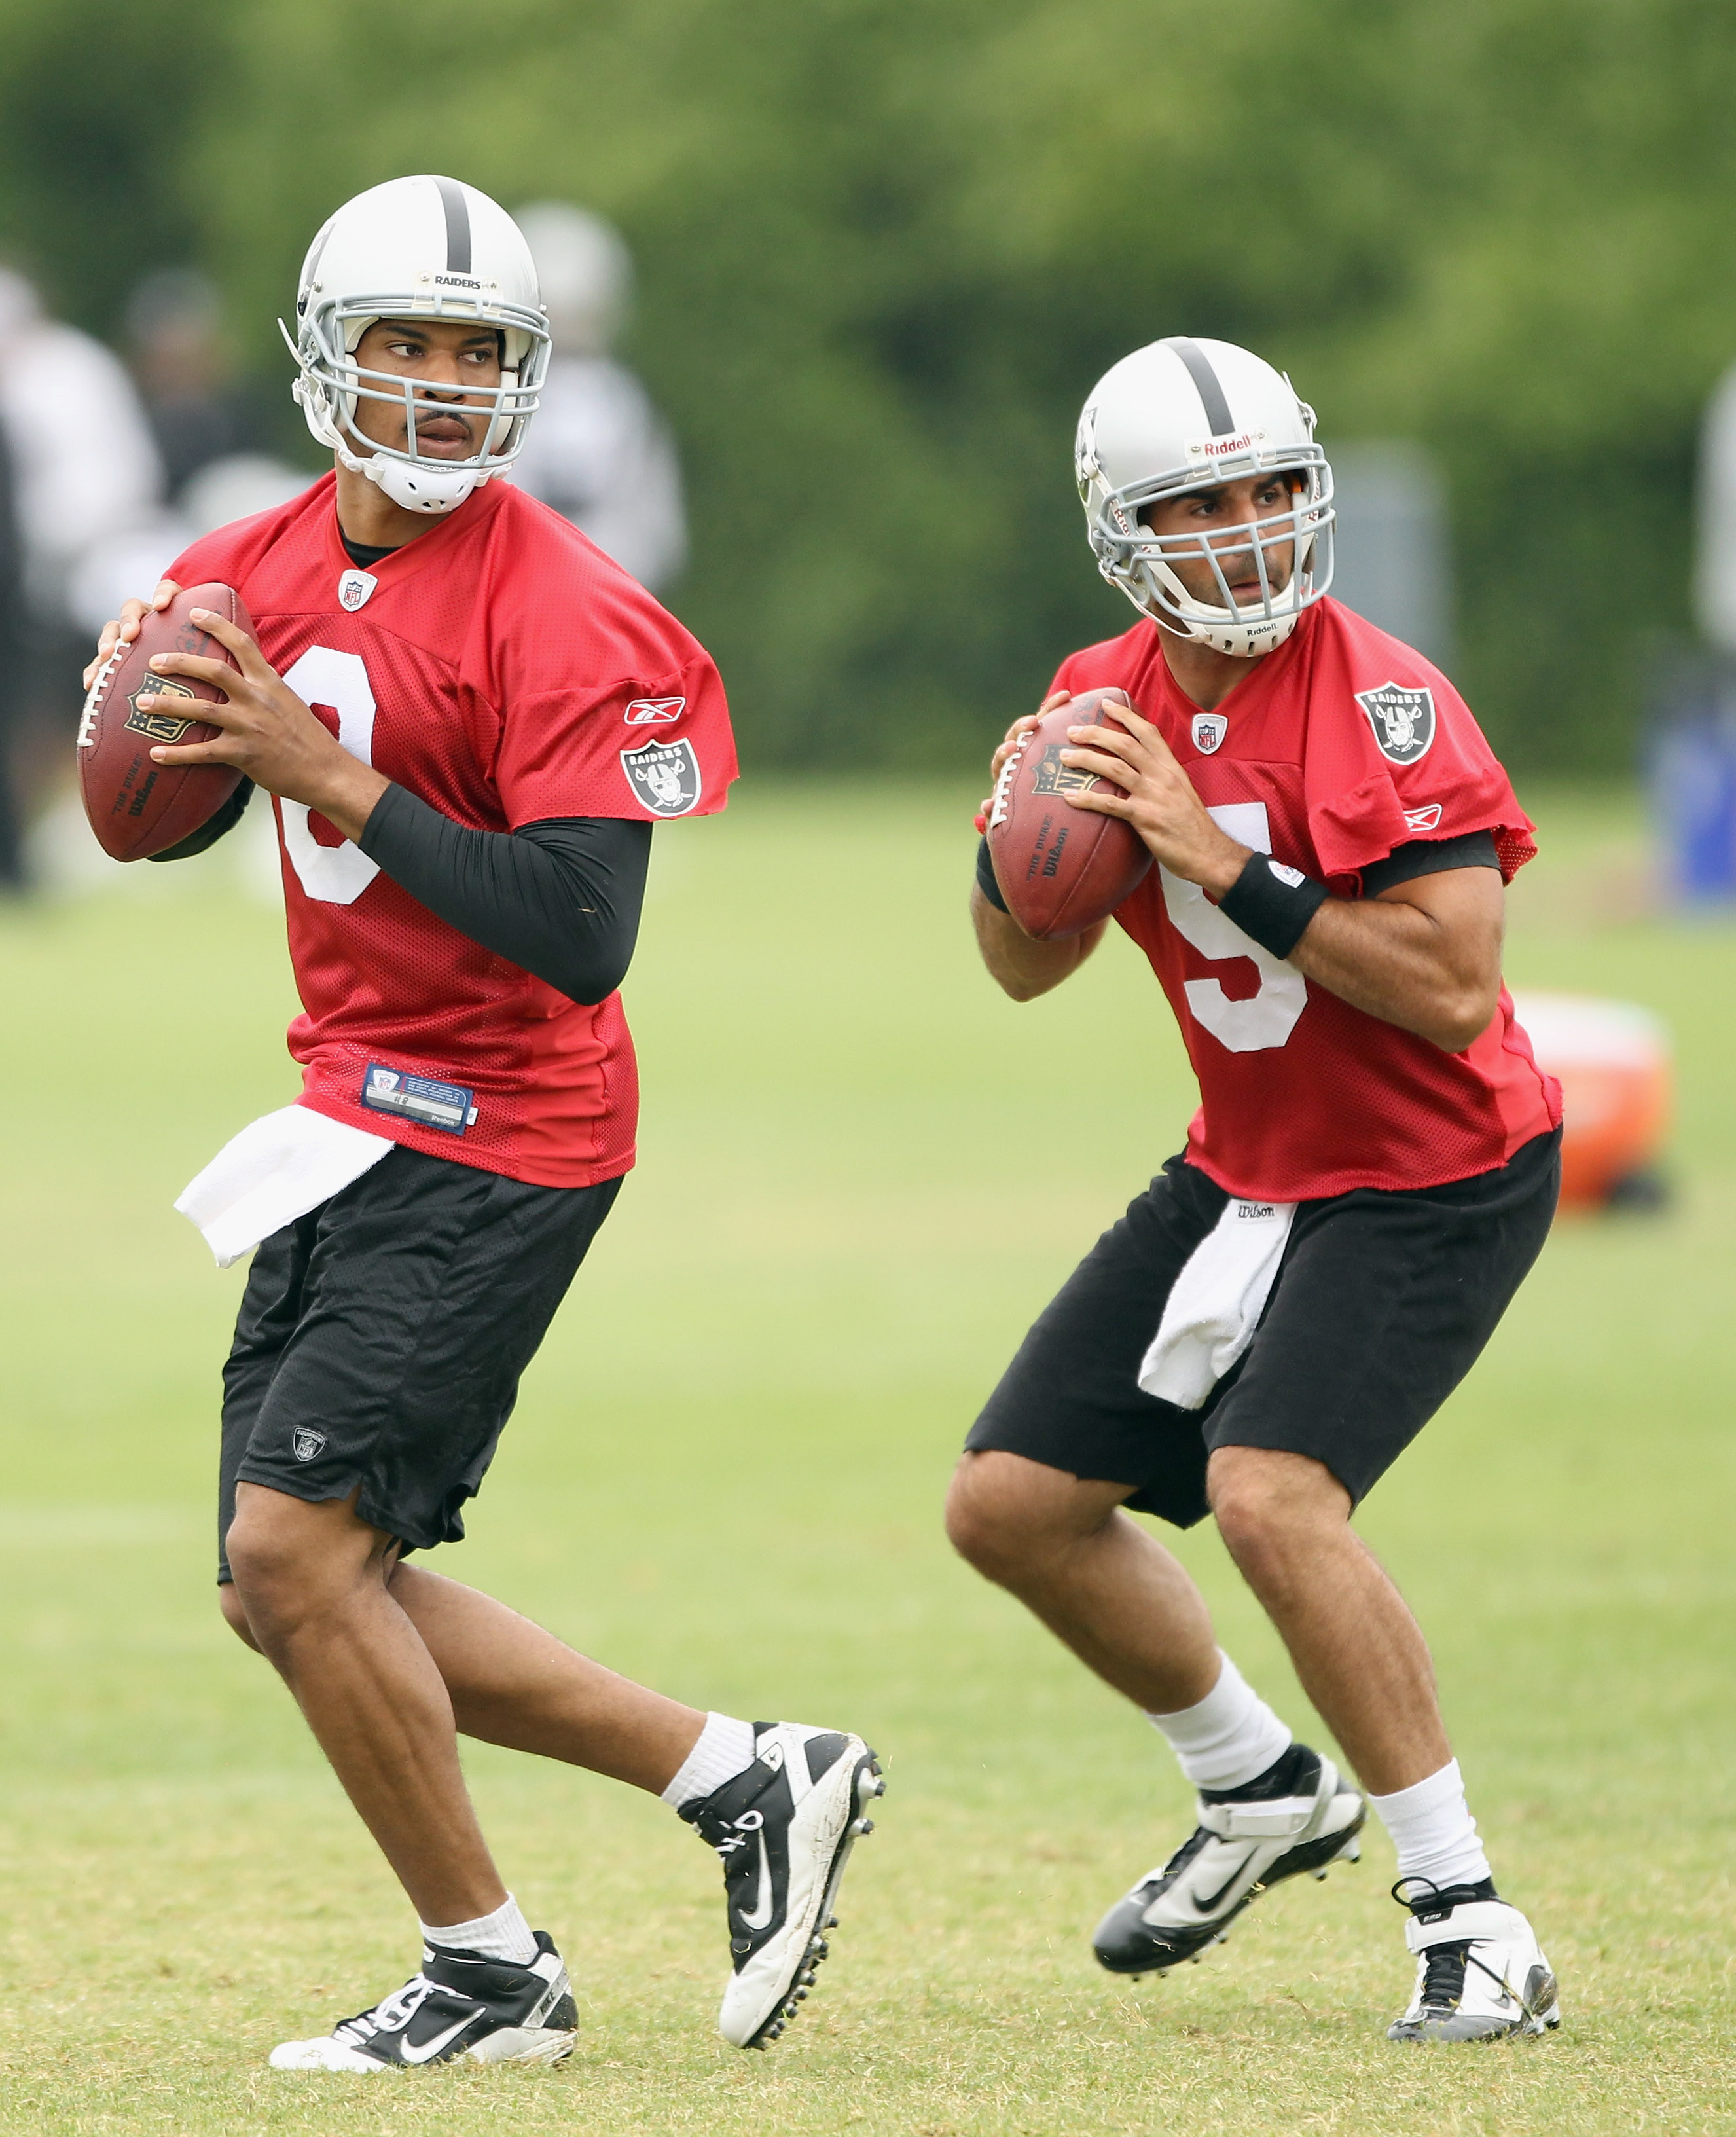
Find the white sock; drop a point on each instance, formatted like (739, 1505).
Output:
(1230, 1737)
(1433, 1831)
(504, 1935)
(724, 1747)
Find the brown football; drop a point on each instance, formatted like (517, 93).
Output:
(136, 807)
(1060, 869)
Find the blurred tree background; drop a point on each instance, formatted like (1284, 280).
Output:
(886, 246)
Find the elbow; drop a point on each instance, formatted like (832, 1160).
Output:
(590, 989)
(1461, 1018)
(589, 981)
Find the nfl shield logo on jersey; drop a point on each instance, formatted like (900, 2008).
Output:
(305, 1443)
(1209, 729)
(354, 587)
(665, 776)
(1404, 721)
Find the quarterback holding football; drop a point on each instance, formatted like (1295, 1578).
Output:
(1371, 1171)
(469, 719)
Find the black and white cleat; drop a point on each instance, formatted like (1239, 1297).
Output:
(784, 1829)
(1481, 1973)
(461, 2004)
(1299, 1815)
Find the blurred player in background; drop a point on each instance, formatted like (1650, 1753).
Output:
(466, 825)
(1373, 1169)
(599, 453)
(80, 469)
(178, 356)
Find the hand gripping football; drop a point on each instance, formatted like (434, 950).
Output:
(1060, 869)
(136, 807)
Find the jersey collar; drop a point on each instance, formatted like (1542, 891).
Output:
(474, 513)
(1250, 689)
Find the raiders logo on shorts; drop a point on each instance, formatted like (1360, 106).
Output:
(1404, 721)
(664, 777)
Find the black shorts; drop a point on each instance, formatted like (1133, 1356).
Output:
(381, 1339)
(1382, 1301)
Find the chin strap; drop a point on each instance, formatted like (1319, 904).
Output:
(414, 485)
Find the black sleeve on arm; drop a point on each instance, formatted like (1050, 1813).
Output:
(561, 898)
(1430, 857)
(986, 877)
(211, 829)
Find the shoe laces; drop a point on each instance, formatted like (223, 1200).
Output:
(1443, 1976)
(1200, 1837)
(391, 2013)
(1444, 1964)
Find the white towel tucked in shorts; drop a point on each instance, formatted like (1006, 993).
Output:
(1216, 1302)
(277, 1169)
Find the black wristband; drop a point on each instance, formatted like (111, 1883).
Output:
(1273, 903)
(986, 882)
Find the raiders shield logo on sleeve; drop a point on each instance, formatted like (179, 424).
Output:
(1404, 721)
(664, 777)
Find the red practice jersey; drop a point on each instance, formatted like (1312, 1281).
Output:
(504, 669)
(1334, 749)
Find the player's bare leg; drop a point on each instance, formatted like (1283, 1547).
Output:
(1101, 1584)
(1268, 1809)
(312, 1581)
(1360, 1653)
(366, 1645)
(513, 1683)
(1110, 1590)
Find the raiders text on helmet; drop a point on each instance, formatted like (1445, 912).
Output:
(1180, 414)
(421, 248)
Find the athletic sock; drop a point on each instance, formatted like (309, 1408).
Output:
(1433, 1831)
(1230, 1737)
(725, 1747)
(504, 1935)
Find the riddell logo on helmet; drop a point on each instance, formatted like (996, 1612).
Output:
(1225, 449)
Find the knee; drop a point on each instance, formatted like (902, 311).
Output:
(1271, 1506)
(235, 1615)
(278, 1570)
(1010, 1517)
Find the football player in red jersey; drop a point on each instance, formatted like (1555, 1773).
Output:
(1371, 1171)
(470, 719)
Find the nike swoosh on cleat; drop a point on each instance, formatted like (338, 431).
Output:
(430, 2049)
(1211, 1906)
(762, 1909)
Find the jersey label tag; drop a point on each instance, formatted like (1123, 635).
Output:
(354, 587)
(448, 1107)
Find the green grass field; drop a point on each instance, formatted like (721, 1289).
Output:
(862, 1172)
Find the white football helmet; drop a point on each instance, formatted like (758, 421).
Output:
(1180, 414)
(422, 248)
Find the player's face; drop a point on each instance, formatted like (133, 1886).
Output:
(446, 359)
(1217, 519)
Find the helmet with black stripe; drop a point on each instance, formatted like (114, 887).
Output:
(1181, 414)
(421, 248)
